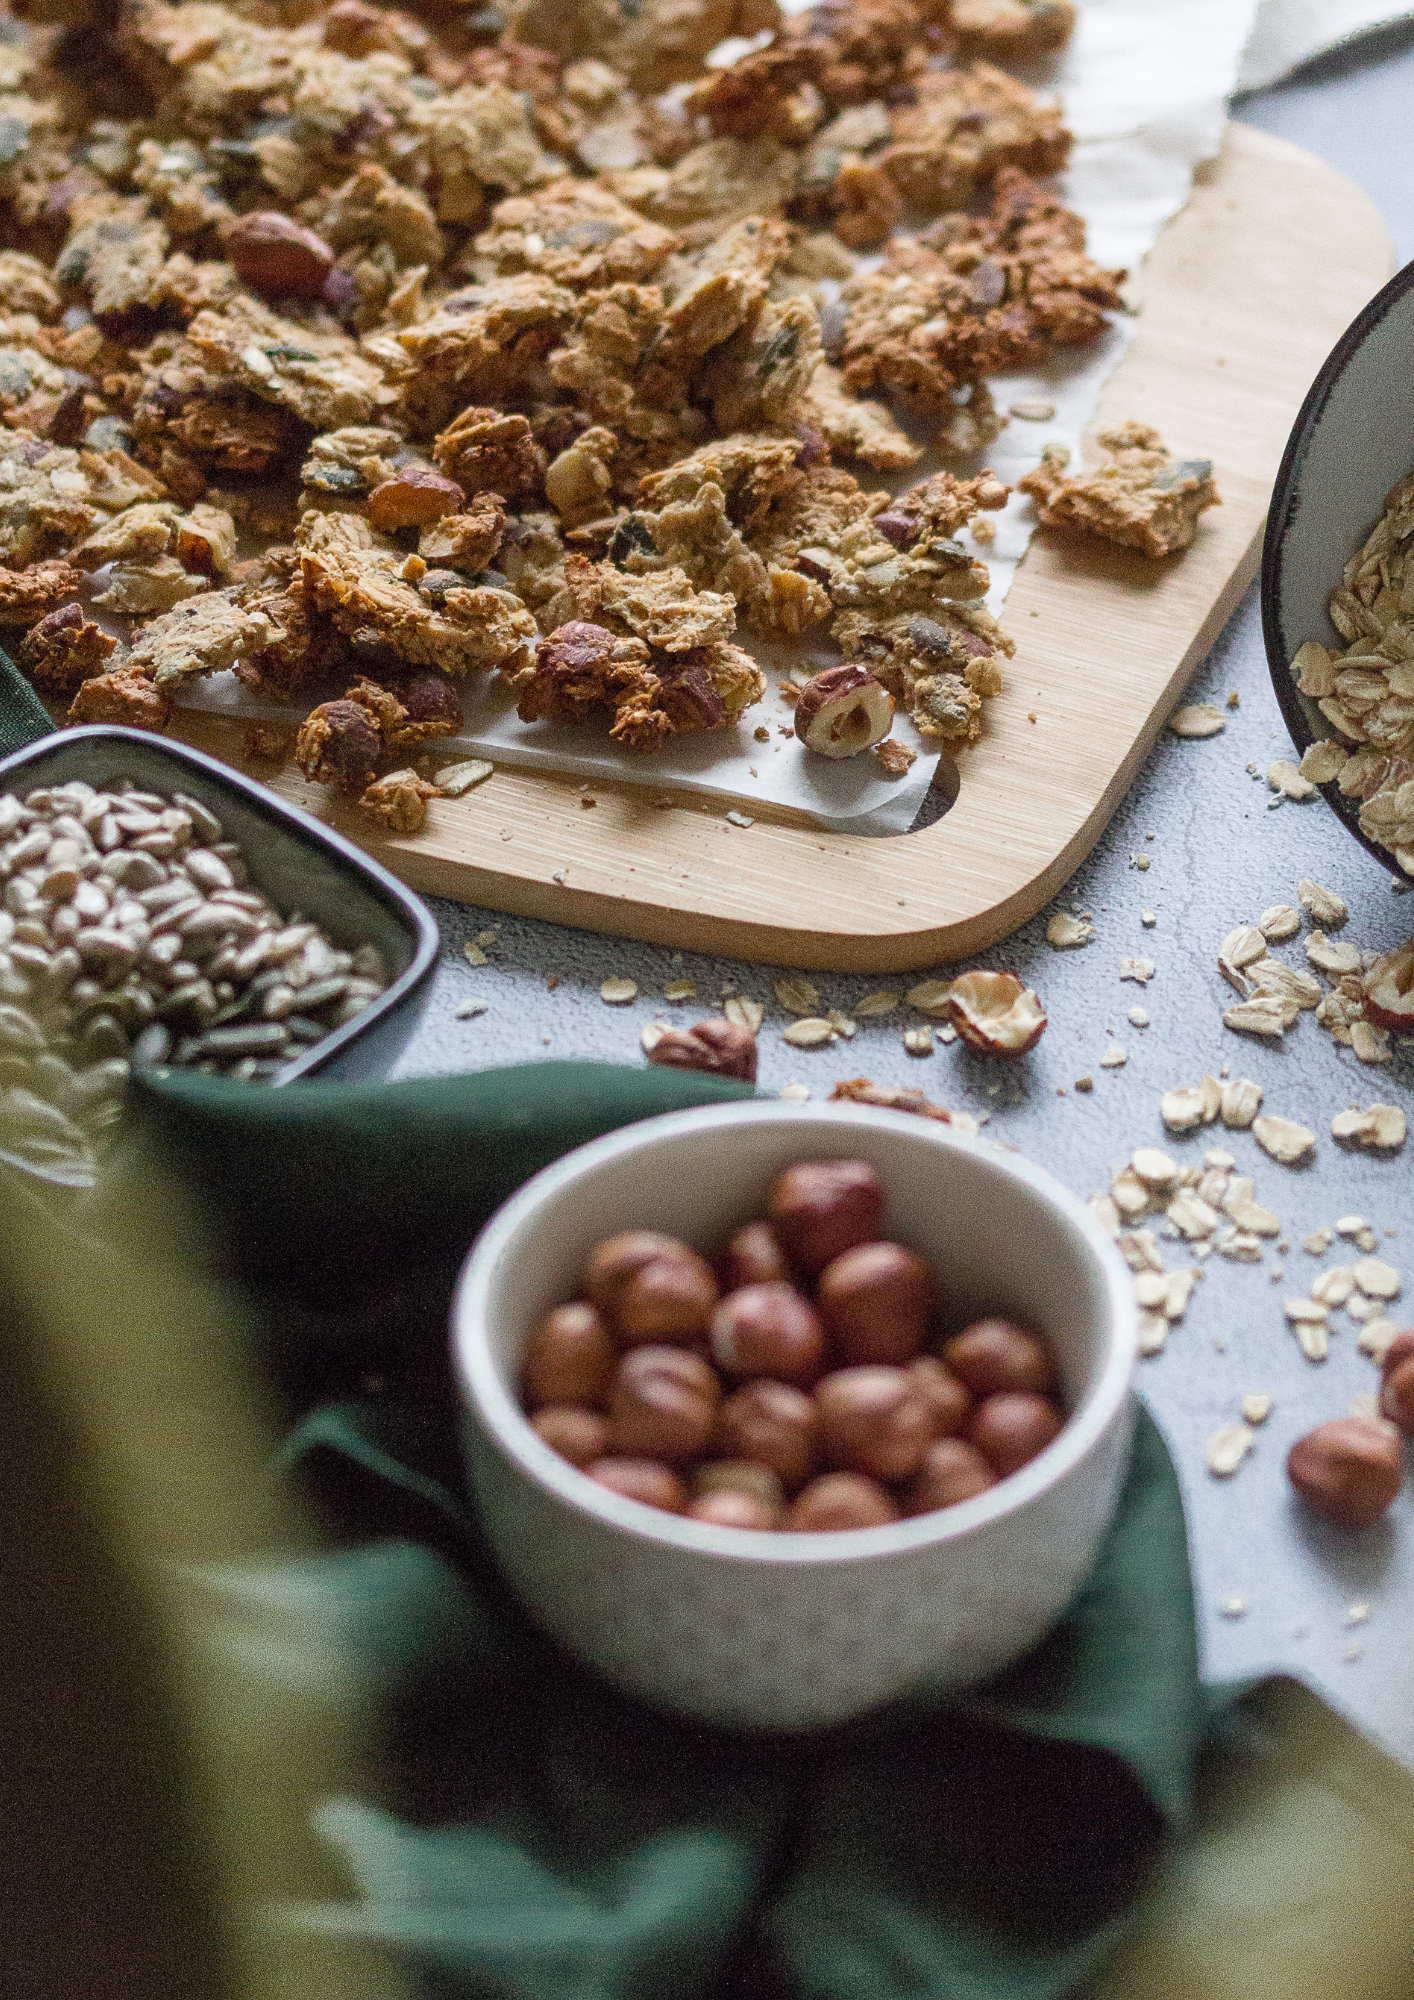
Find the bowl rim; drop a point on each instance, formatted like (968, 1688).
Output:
(499, 1414)
(293, 820)
(1280, 514)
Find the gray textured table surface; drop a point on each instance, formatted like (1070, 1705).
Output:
(1218, 854)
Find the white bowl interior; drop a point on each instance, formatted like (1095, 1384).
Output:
(1000, 1236)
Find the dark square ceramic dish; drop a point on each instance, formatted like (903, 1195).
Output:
(298, 863)
(1353, 441)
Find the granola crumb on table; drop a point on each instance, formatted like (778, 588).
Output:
(1142, 496)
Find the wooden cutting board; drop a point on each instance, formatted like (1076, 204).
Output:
(1243, 296)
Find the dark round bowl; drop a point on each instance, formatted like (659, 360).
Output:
(1353, 441)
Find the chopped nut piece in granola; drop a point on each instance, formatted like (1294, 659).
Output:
(63, 650)
(124, 696)
(398, 802)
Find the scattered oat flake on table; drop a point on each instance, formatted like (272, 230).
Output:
(1256, 1407)
(618, 992)
(1264, 1015)
(1243, 946)
(795, 1093)
(1153, 1332)
(1137, 1018)
(740, 818)
(1376, 1279)
(474, 955)
(1317, 1243)
(1140, 970)
(1139, 861)
(744, 1013)
(1032, 410)
(1200, 718)
(797, 996)
(1064, 931)
(875, 1003)
(930, 996)
(1356, 1614)
(1330, 957)
(918, 1041)
(1375, 1337)
(1334, 1285)
(1227, 1448)
(469, 1010)
(1350, 1225)
(1322, 906)
(1278, 923)
(1382, 1127)
(1283, 1140)
(1233, 1607)
(651, 1036)
(1370, 1044)
(1284, 777)
(1182, 1109)
(680, 989)
(1154, 1168)
(1148, 918)
(1114, 1057)
(1241, 1101)
(1084, 1083)
(811, 1032)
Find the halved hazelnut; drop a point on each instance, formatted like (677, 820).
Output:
(843, 711)
(995, 1014)
(1389, 990)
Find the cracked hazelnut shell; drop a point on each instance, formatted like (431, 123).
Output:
(717, 1047)
(1389, 990)
(995, 1014)
(843, 711)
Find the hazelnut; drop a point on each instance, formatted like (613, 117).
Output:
(995, 1014)
(771, 1424)
(718, 1047)
(1397, 1395)
(570, 1358)
(952, 1471)
(574, 1432)
(875, 1300)
(996, 1354)
(1348, 1470)
(837, 1501)
(753, 1257)
(663, 1405)
(1011, 1428)
(276, 256)
(948, 1402)
(651, 1287)
(413, 497)
(820, 1208)
(1389, 990)
(768, 1330)
(728, 1508)
(641, 1479)
(873, 1420)
(843, 711)
(739, 1475)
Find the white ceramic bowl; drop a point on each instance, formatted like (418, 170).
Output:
(794, 1631)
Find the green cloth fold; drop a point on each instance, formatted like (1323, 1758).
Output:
(23, 716)
(529, 1833)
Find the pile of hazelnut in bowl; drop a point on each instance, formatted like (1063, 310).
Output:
(802, 1379)
(814, 1339)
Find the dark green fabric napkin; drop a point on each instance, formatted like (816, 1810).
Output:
(23, 716)
(528, 1833)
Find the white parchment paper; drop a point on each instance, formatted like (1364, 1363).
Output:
(1144, 84)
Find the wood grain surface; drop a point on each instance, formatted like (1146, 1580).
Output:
(1242, 297)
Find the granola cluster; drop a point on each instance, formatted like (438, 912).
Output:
(1365, 691)
(1142, 496)
(391, 346)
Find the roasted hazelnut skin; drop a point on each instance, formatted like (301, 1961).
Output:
(768, 1330)
(993, 1355)
(663, 1405)
(771, 1424)
(641, 1479)
(570, 1358)
(838, 1501)
(873, 1420)
(1348, 1470)
(651, 1287)
(1397, 1395)
(875, 1301)
(753, 1257)
(578, 1434)
(1010, 1428)
(949, 1404)
(819, 1208)
(952, 1471)
(727, 1508)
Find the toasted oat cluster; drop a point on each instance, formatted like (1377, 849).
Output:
(1142, 496)
(392, 346)
(1366, 691)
